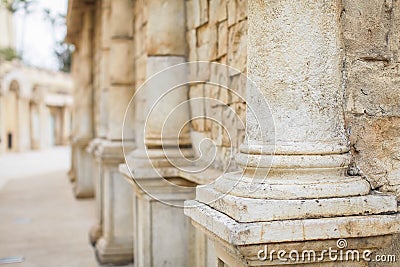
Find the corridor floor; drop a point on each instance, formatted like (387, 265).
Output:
(40, 220)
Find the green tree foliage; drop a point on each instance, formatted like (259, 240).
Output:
(62, 50)
(8, 54)
(16, 5)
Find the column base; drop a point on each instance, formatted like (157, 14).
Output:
(96, 230)
(255, 210)
(239, 242)
(113, 199)
(95, 233)
(163, 235)
(83, 184)
(109, 253)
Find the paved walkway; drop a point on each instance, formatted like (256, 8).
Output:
(40, 220)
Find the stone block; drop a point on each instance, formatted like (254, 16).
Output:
(222, 38)
(231, 12)
(207, 42)
(256, 210)
(202, 69)
(197, 107)
(241, 11)
(166, 33)
(200, 12)
(192, 45)
(121, 20)
(237, 233)
(218, 11)
(105, 28)
(121, 62)
(366, 27)
(219, 75)
(118, 100)
(373, 88)
(190, 14)
(375, 143)
(237, 46)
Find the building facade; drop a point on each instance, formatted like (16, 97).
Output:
(35, 104)
(208, 130)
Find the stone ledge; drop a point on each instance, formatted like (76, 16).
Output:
(237, 233)
(255, 210)
(107, 150)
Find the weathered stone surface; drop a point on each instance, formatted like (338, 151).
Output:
(237, 46)
(218, 10)
(121, 62)
(192, 45)
(255, 210)
(200, 12)
(373, 88)
(277, 231)
(222, 38)
(366, 28)
(375, 146)
(166, 34)
(371, 76)
(207, 42)
(118, 100)
(121, 22)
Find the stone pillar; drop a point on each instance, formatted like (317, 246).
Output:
(43, 122)
(294, 188)
(35, 125)
(103, 11)
(65, 125)
(156, 224)
(116, 242)
(24, 124)
(82, 113)
(113, 233)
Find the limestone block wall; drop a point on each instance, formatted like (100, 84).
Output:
(371, 76)
(217, 32)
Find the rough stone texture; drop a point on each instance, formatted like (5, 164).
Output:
(162, 39)
(372, 91)
(376, 148)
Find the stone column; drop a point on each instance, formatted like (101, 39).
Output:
(294, 187)
(103, 11)
(156, 224)
(43, 122)
(83, 117)
(66, 125)
(24, 124)
(116, 242)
